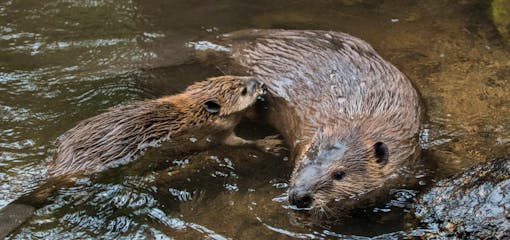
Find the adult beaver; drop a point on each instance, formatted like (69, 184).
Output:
(204, 114)
(350, 117)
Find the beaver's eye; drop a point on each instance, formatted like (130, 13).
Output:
(244, 92)
(338, 175)
(212, 106)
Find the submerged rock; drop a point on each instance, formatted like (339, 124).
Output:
(472, 205)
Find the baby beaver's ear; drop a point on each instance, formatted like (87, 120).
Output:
(212, 106)
(381, 153)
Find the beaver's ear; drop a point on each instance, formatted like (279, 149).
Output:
(381, 153)
(212, 106)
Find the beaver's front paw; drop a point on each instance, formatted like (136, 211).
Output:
(274, 145)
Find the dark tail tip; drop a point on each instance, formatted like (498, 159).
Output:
(12, 216)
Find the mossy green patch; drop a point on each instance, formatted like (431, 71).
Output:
(501, 17)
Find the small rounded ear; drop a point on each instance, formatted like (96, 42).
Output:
(381, 153)
(212, 106)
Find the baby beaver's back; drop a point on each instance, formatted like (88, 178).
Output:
(113, 137)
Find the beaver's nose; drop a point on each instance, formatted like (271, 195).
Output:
(300, 199)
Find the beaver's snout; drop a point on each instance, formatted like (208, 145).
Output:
(300, 198)
(264, 88)
(254, 87)
(302, 191)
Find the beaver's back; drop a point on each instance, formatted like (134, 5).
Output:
(112, 138)
(326, 76)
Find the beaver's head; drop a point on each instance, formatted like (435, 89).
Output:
(335, 172)
(226, 95)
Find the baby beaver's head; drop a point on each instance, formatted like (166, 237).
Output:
(226, 95)
(343, 168)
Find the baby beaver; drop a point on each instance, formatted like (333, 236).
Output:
(207, 111)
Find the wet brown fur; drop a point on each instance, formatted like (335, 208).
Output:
(326, 89)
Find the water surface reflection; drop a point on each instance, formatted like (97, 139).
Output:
(64, 61)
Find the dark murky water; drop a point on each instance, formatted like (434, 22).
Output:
(63, 61)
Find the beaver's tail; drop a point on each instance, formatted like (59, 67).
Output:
(14, 215)
(22, 209)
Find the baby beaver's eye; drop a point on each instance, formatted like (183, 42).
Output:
(338, 175)
(244, 92)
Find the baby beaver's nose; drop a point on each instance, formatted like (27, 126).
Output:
(300, 199)
(263, 87)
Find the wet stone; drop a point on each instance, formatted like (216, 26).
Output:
(474, 204)
(471, 205)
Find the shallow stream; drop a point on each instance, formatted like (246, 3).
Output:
(63, 61)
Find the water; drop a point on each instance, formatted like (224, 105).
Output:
(63, 61)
